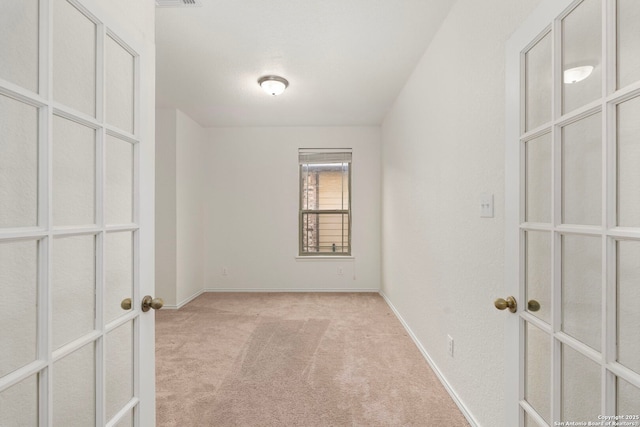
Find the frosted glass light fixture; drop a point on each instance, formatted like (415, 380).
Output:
(577, 74)
(273, 85)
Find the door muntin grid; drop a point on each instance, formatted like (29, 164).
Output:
(584, 327)
(64, 330)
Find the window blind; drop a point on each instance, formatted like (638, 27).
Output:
(324, 156)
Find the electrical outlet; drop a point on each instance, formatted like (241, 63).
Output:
(450, 343)
(225, 271)
(340, 271)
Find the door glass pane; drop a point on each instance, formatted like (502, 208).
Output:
(119, 81)
(538, 371)
(18, 315)
(538, 272)
(581, 172)
(628, 161)
(538, 167)
(628, 304)
(19, 43)
(18, 163)
(538, 83)
(74, 58)
(74, 150)
(119, 197)
(628, 400)
(73, 262)
(582, 47)
(580, 387)
(119, 368)
(118, 272)
(628, 42)
(74, 384)
(581, 288)
(19, 404)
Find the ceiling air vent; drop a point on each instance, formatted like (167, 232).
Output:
(178, 3)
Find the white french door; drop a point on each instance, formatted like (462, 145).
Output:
(573, 214)
(76, 236)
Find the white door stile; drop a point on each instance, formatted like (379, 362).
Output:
(45, 311)
(100, 349)
(512, 212)
(607, 381)
(137, 329)
(144, 211)
(556, 219)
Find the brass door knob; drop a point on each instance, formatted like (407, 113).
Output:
(509, 303)
(149, 303)
(126, 304)
(533, 305)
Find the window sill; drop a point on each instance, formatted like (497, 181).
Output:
(325, 258)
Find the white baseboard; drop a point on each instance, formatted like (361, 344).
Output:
(441, 377)
(189, 299)
(263, 290)
(372, 290)
(184, 301)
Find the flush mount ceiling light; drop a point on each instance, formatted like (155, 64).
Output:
(273, 85)
(577, 74)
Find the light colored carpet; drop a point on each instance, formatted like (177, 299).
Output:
(293, 359)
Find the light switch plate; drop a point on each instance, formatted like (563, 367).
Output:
(486, 205)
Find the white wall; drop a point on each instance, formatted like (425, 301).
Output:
(190, 140)
(251, 219)
(166, 243)
(443, 145)
(179, 207)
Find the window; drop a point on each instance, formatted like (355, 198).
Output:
(325, 202)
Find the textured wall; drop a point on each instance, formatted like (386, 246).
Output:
(190, 140)
(251, 218)
(443, 145)
(166, 249)
(179, 206)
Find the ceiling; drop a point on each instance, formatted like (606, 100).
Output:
(346, 60)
